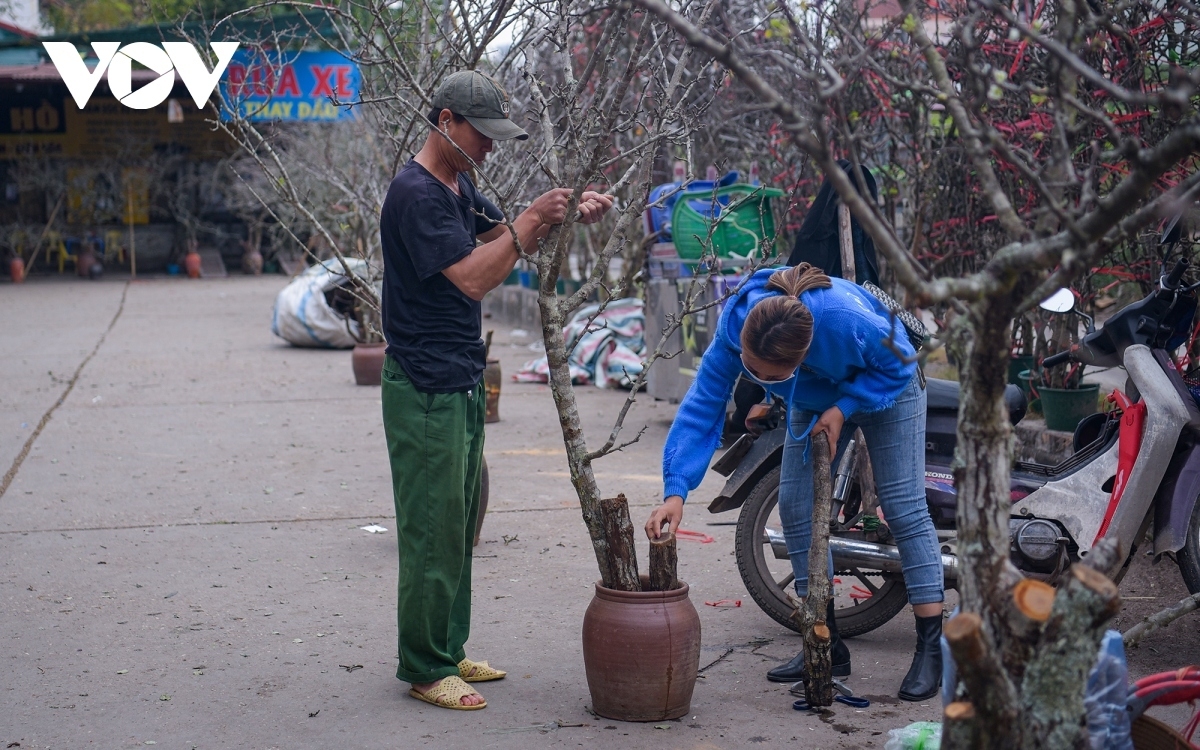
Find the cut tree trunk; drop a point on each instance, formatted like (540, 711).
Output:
(559, 378)
(959, 727)
(664, 573)
(622, 555)
(818, 688)
(1053, 688)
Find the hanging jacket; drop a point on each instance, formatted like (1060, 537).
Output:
(818, 241)
(848, 365)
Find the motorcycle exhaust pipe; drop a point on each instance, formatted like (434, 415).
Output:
(852, 553)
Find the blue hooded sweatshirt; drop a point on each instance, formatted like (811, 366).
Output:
(848, 365)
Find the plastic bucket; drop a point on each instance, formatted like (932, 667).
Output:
(1016, 366)
(1065, 408)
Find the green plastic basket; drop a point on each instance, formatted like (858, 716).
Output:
(738, 230)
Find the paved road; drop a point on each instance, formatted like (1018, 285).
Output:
(183, 563)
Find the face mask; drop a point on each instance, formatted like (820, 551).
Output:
(760, 381)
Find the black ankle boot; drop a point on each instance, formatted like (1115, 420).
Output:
(839, 655)
(925, 675)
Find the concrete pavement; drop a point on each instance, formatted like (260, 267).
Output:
(183, 563)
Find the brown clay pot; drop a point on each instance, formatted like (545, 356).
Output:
(84, 260)
(252, 263)
(16, 269)
(367, 361)
(641, 652)
(491, 387)
(191, 264)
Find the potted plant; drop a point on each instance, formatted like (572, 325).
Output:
(1021, 348)
(1065, 398)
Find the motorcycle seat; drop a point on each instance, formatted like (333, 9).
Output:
(942, 395)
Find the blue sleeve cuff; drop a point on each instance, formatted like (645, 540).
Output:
(848, 405)
(675, 486)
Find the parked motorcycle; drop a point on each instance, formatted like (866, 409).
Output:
(1134, 469)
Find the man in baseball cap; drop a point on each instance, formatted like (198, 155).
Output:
(444, 248)
(481, 101)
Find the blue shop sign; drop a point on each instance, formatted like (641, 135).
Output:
(295, 86)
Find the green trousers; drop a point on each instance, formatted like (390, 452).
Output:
(435, 446)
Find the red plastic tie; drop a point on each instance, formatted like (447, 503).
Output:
(694, 536)
(725, 603)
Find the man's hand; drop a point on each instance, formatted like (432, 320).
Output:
(670, 512)
(831, 424)
(754, 418)
(593, 206)
(551, 206)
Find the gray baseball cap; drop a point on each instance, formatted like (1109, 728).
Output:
(482, 101)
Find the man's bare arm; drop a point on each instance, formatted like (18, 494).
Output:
(489, 264)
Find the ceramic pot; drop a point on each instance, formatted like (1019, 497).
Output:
(367, 361)
(252, 263)
(641, 652)
(491, 387)
(84, 261)
(191, 263)
(16, 269)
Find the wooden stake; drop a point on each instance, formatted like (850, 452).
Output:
(664, 559)
(818, 688)
(622, 555)
(38, 247)
(847, 243)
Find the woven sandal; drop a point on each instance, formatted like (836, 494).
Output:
(448, 694)
(478, 671)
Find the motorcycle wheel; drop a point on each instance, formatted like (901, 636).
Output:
(1189, 557)
(863, 600)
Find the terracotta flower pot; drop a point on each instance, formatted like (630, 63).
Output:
(641, 652)
(191, 263)
(367, 361)
(84, 261)
(252, 263)
(16, 269)
(491, 387)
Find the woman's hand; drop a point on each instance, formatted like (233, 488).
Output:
(670, 512)
(831, 424)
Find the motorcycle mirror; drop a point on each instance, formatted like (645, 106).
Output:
(1062, 301)
(1172, 231)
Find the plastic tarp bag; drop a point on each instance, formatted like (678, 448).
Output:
(303, 317)
(921, 735)
(606, 347)
(1106, 695)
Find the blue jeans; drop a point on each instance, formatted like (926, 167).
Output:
(895, 439)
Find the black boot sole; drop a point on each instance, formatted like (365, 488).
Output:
(917, 698)
(838, 670)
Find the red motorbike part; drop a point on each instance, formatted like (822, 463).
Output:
(1133, 419)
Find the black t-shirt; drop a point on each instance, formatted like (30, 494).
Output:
(432, 328)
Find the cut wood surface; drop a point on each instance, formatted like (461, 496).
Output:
(664, 558)
(959, 727)
(622, 555)
(1033, 599)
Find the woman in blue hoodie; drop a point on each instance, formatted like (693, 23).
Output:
(826, 346)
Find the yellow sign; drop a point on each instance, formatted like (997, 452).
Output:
(105, 129)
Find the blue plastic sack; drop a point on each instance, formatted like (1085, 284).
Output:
(1105, 697)
(660, 216)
